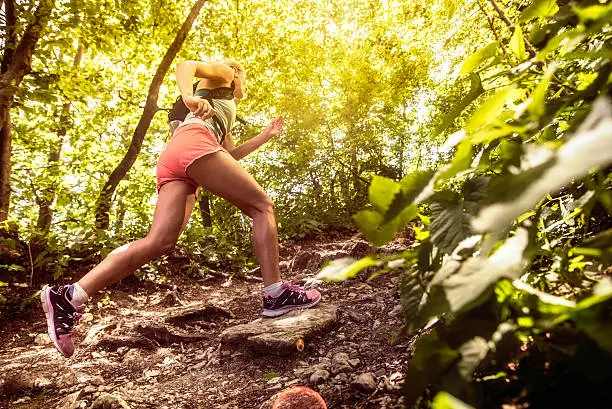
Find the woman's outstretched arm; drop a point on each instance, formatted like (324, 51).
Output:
(244, 149)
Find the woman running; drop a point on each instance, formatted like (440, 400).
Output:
(200, 153)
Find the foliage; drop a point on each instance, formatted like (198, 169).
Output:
(521, 210)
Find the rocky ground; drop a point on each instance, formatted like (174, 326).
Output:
(171, 347)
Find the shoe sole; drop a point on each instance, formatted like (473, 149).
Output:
(48, 309)
(278, 313)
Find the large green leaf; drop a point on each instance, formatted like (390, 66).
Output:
(381, 192)
(432, 357)
(592, 315)
(379, 232)
(458, 291)
(460, 162)
(412, 187)
(517, 43)
(411, 292)
(537, 102)
(445, 400)
(474, 60)
(594, 12)
(476, 90)
(345, 268)
(450, 218)
(587, 150)
(539, 9)
(490, 109)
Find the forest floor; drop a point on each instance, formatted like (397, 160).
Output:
(199, 373)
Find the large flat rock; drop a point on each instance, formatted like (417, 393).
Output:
(279, 335)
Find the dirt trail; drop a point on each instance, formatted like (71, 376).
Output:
(353, 365)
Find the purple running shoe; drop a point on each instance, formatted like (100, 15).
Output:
(62, 316)
(292, 298)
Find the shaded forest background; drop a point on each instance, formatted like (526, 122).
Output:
(486, 125)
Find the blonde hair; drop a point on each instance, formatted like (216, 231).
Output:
(234, 64)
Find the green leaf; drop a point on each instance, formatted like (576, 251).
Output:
(374, 228)
(592, 315)
(411, 292)
(481, 55)
(539, 9)
(432, 357)
(445, 400)
(587, 150)
(450, 219)
(490, 109)
(517, 43)
(594, 12)
(458, 291)
(381, 192)
(537, 106)
(476, 90)
(412, 186)
(461, 161)
(3, 284)
(345, 268)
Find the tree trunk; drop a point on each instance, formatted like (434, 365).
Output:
(45, 213)
(9, 35)
(103, 203)
(204, 203)
(20, 65)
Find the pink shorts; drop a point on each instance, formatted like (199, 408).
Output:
(188, 143)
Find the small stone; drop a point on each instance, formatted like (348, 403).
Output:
(319, 376)
(108, 401)
(96, 355)
(340, 363)
(89, 389)
(42, 383)
(396, 311)
(366, 382)
(354, 362)
(122, 350)
(353, 316)
(341, 378)
(42, 339)
(97, 380)
(380, 372)
(275, 387)
(340, 358)
(70, 402)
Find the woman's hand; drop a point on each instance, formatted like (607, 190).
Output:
(274, 127)
(200, 107)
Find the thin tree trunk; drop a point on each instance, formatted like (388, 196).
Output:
(204, 204)
(10, 35)
(121, 209)
(45, 213)
(20, 65)
(103, 203)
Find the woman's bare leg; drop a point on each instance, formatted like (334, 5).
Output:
(174, 205)
(221, 174)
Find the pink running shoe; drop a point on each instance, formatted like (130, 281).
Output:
(62, 316)
(292, 298)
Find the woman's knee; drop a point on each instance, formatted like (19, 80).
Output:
(161, 245)
(262, 205)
